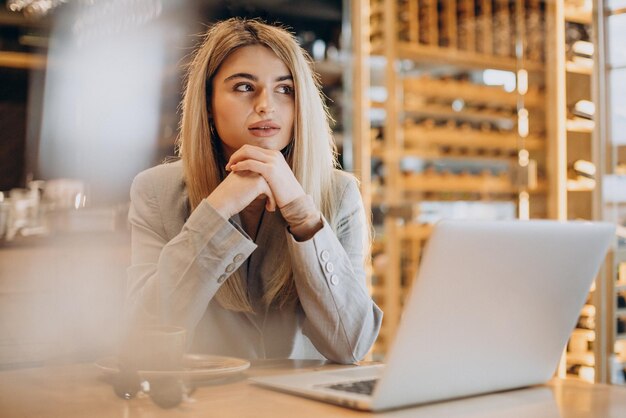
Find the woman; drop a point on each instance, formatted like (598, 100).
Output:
(253, 241)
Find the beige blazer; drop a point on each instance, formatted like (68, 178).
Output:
(179, 261)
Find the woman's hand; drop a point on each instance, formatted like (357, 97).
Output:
(272, 166)
(238, 190)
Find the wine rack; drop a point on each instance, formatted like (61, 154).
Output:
(448, 141)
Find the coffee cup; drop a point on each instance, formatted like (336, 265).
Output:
(154, 348)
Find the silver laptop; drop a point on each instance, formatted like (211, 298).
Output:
(491, 309)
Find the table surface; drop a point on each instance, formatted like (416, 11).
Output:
(82, 390)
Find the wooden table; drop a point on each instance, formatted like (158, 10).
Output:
(80, 390)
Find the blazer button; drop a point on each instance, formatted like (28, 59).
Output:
(334, 279)
(238, 258)
(329, 267)
(221, 279)
(324, 255)
(230, 268)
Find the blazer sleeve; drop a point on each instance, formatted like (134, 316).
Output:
(341, 320)
(173, 280)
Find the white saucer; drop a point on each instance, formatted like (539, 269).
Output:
(195, 366)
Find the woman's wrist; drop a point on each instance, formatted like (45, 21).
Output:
(306, 231)
(303, 218)
(220, 206)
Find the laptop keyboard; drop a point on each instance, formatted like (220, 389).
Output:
(363, 387)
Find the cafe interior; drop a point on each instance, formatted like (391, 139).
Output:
(477, 110)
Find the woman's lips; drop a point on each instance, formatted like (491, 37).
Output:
(263, 132)
(264, 129)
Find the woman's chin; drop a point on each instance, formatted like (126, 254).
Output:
(268, 145)
(265, 143)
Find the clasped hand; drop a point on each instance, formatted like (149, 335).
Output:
(255, 172)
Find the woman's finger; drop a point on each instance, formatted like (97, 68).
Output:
(270, 204)
(250, 152)
(279, 177)
(251, 165)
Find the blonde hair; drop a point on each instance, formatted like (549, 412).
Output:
(311, 156)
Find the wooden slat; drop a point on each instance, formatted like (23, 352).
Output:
(462, 59)
(445, 112)
(577, 15)
(459, 153)
(502, 30)
(520, 29)
(485, 184)
(375, 24)
(416, 231)
(444, 182)
(471, 25)
(468, 138)
(469, 92)
(413, 11)
(486, 23)
(534, 31)
(22, 60)
(433, 18)
(360, 84)
(451, 23)
(393, 185)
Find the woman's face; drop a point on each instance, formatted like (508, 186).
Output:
(253, 100)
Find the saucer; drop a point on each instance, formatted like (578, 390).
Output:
(195, 366)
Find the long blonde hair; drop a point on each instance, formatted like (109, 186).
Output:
(312, 155)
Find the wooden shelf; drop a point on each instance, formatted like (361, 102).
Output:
(469, 154)
(580, 190)
(417, 136)
(22, 60)
(463, 183)
(469, 92)
(416, 231)
(446, 112)
(438, 110)
(458, 58)
(619, 10)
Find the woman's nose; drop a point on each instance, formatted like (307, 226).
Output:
(264, 103)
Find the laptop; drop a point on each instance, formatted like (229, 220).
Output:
(491, 309)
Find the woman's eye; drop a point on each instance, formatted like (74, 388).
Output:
(243, 87)
(285, 89)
